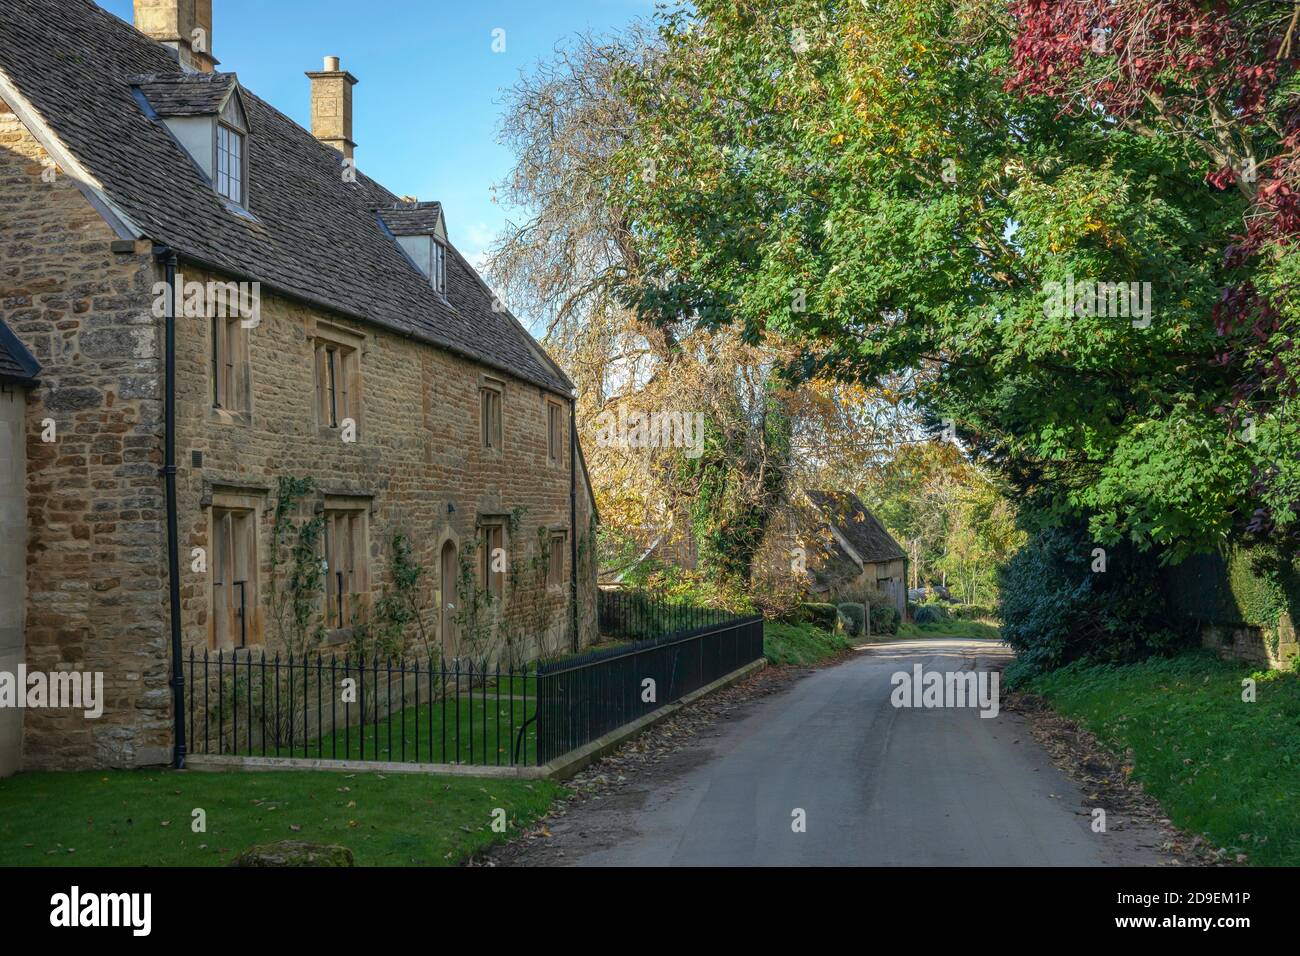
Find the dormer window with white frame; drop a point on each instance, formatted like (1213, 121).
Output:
(421, 231)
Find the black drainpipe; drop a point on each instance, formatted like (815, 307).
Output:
(573, 519)
(168, 471)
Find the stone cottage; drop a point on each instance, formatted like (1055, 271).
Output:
(835, 549)
(219, 300)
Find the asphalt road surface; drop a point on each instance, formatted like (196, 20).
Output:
(878, 785)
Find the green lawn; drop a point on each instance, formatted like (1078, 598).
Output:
(437, 733)
(143, 818)
(440, 732)
(1218, 766)
(800, 643)
(481, 731)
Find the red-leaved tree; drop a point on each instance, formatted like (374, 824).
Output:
(1220, 77)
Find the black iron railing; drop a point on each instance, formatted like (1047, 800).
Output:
(639, 616)
(244, 703)
(583, 698)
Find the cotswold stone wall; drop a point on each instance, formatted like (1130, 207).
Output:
(96, 587)
(417, 464)
(1274, 647)
(96, 573)
(1243, 609)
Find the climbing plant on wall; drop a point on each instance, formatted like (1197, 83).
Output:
(737, 483)
(511, 628)
(398, 616)
(295, 578)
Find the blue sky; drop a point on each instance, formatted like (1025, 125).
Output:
(426, 108)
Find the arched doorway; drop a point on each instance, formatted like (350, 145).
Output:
(449, 571)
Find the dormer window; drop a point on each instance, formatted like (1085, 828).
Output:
(421, 231)
(205, 114)
(230, 163)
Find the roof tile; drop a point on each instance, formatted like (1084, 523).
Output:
(845, 512)
(185, 94)
(412, 219)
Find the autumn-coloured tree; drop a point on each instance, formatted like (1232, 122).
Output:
(954, 520)
(573, 261)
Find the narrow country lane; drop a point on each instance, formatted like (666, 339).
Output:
(879, 785)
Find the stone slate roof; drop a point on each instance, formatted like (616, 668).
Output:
(849, 516)
(829, 563)
(311, 235)
(412, 219)
(185, 94)
(17, 365)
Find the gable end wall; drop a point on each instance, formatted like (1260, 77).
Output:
(96, 587)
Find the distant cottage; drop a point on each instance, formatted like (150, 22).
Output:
(340, 336)
(829, 545)
(822, 544)
(851, 549)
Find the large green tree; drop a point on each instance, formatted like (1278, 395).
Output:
(858, 177)
(572, 258)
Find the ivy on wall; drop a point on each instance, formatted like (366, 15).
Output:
(491, 629)
(1265, 585)
(738, 487)
(400, 619)
(386, 629)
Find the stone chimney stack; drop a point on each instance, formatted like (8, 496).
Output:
(183, 25)
(331, 106)
(201, 43)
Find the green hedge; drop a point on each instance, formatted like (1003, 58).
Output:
(884, 619)
(823, 615)
(851, 619)
(1056, 609)
(1237, 586)
(972, 612)
(930, 614)
(1265, 585)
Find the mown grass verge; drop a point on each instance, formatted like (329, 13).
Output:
(951, 628)
(801, 644)
(1218, 765)
(144, 818)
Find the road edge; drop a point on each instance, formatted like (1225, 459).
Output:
(563, 768)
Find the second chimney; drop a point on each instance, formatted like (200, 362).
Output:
(331, 106)
(183, 25)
